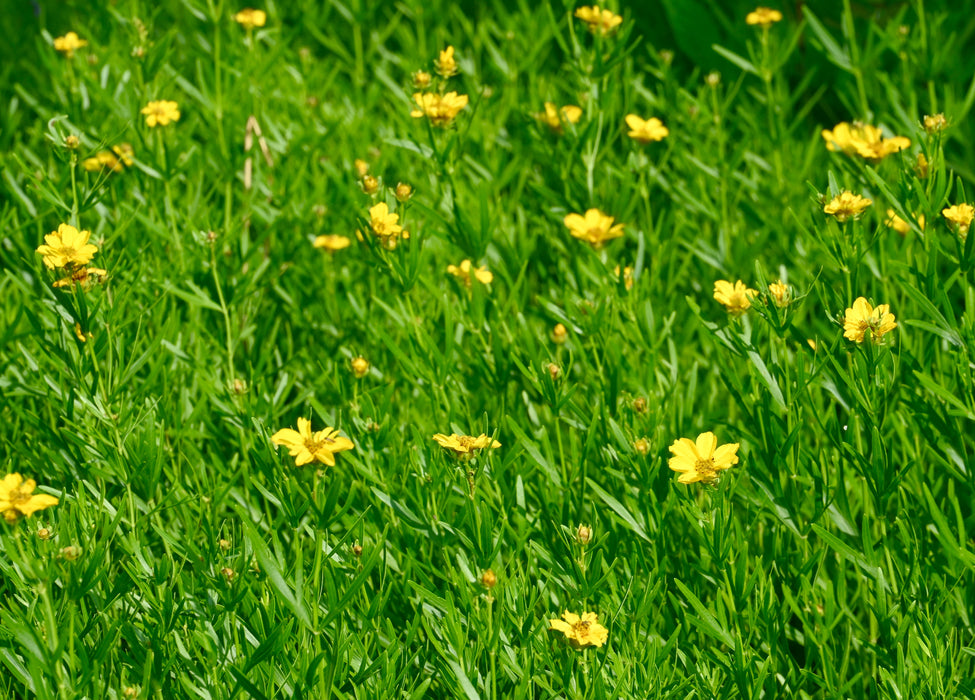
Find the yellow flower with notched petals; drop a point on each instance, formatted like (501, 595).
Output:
(736, 298)
(863, 140)
(554, 118)
(161, 112)
(763, 17)
(439, 109)
(646, 130)
(701, 459)
(465, 272)
(961, 215)
(598, 21)
(863, 319)
(582, 631)
(67, 247)
(846, 205)
(595, 227)
(248, 18)
(17, 498)
(69, 43)
(306, 446)
(383, 224)
(465, 447)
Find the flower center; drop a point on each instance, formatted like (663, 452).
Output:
(314, 445)
(581, 628)
(705, 467)
(18, 495)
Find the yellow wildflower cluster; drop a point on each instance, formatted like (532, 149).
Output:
(555, 117)
(646, 130)
(763, 17)
(161, 113)
(384, 225)
(440, 107)
(599, 21)
(465, 447)
(249, 18)
(466, 272)
(863, 140)
(960, 216)
(846, 205)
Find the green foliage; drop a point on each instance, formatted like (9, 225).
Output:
(188, 557)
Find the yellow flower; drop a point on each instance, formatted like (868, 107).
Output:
(846, 205)
(701, 460)
(580, 632)
(960, 215)
(403, 192)
(332, 242)
(161, 112)
(901, 226)
(439, 109)
(584, 534)
(763, 17)
(863, 318)
(16, 499)
(85, 276)
(67, 247)
(383, 224)
(370, 184)
(421, 79)
(922, 166)
(115, 160)
(642, 445)
(627, 276)
(600, 22)
(360, 366)
(595, 227)
(306, 446)
(935, 123)
(736, 297)
(446, 65)
(646, 130)
(779, 293)
(361, 167)
(68, 44)
(465, 447)
(863, 140)
(554, 118)
(248, 18)
(466, 271)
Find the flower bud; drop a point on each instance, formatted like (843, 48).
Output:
(584, 534)
(360, 366)
(489, 579)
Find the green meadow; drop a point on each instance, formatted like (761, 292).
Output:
(487, 350)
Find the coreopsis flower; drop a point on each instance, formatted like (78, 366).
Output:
(67, 247)
(161, 112)
(846, 205)
(646, 130)
(465, 272)
(555, 118)
(779, 293)
(933, 123)
(332, 242)
(306, 446)
(961, 216)
(763, 17)
(580, 632)
(559, 334)
(439, 109)
(17, 498)
(602, 22)
(595, 227)
(701, 459)
(465, 447)
(422, 79)
(360, 367)
(85, 276)
(863, 140)
(901, 226)
(383, 224)
(446, 65)
(69, 43)
(249, 18)
(115, 160)
(862, 319)
(736, 298)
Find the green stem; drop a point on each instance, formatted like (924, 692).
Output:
(225, 312)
